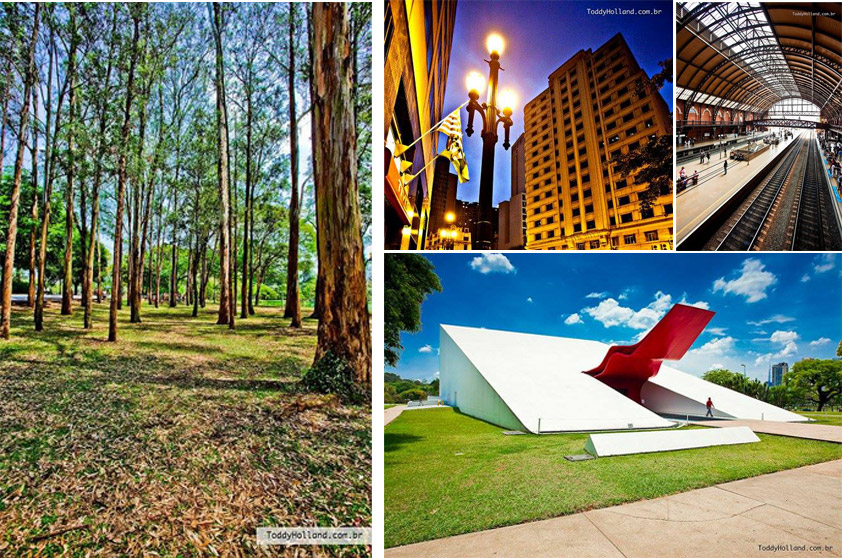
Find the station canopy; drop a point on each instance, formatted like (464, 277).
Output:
(751, 56)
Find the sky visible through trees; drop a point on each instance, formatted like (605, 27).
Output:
(165, 152)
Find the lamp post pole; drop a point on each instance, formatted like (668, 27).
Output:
(491, 118)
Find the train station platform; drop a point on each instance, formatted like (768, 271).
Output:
(714, 146)
(836, 188)
(697, 204)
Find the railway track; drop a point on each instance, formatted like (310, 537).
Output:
(744, 233)
(815, 228)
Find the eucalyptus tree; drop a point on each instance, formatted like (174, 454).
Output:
(136, 14)
(226, 309)
(11, 235)
(344, 325)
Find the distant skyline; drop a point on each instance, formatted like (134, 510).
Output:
(769, 308)
(541, 36)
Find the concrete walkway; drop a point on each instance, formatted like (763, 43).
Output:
(823, 432)
(799, 507)
(392, 413)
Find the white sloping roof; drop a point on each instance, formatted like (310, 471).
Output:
(540, 379)
(725, 401)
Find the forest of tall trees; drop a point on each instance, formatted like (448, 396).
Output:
(207, 155)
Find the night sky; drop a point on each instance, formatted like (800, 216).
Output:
(540, 37)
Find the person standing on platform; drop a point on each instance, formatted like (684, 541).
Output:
(725, 166)
(708, 157)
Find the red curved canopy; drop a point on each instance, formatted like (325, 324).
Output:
(626, 367)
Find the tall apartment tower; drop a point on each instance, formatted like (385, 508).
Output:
(512, 213)
(574, 130)
(778, 371)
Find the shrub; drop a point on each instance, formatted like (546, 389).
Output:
(332, 374)
(413, 394)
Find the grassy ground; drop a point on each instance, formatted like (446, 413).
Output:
(825, 417)
(389, 406)
(447, 473)
(179, 440)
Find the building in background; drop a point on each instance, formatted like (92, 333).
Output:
(418, 40)
(443, 199)
(512, 213)
(574, 131)
(776, 375)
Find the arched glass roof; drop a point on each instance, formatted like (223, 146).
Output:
(750, 56)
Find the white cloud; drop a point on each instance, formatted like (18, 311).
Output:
(573, 319)
(625, 294)
(716, 330)
(819, 342)
(763, 360)
(716, 366)
(805, 278)
(426, 349)
(700, 304)
(823, 263)
(788, 341)
(752, 282)
(596, 295)
(492, 263)
(718, 346)
(529, 300)
(610, 313)
(776, 319)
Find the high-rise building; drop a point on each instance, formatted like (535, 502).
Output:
(418, 39)
(777, 373)
(443, 199)
(575, 130)
(518, 167)
(512, 213)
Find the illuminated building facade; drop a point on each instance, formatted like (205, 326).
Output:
(574, 131)
(418, 39)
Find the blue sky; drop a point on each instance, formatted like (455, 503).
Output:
(769, 307)
(540, 37)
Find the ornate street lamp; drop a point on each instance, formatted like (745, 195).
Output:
(489, 111)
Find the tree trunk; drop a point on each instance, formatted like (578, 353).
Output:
(67, 290)
(49, 173)
(93, 248)
(344, 328)
(121, 182)
(33, 210)
(225, 309)
(244, 294)
(139, 191)
(317, 302)
(11, 236)
(292, 306)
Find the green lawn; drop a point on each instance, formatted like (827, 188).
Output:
(446, 474)
(825, 417)
(389, 406)
(179, 440)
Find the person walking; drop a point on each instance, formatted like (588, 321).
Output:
(695, 178)
(708, 157)
(682, 173)
(726, 166)
(709, 405)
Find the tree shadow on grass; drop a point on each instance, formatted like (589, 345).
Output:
(394, 441)
(180, 347)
